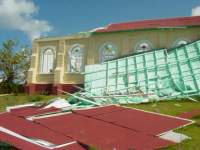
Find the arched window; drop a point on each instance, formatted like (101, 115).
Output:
(47, 61)
(180, 42)
(108, 51)
(143, 46)
(76, 59)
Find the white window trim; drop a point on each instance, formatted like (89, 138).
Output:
(101, 49)
(174, 44)
(68, 59)
(42, 50)
(141, 42)
(75, 73)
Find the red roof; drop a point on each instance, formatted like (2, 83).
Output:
(101, 134)
(149, 24)
(24, 145)
(103, 127)
(126, 117)
(32, 130)
(33, 110)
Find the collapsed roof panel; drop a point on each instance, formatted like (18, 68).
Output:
(105, 127)
(135, 119)
(103, 134)
(18, 143)
(164, 73)
(31, 130)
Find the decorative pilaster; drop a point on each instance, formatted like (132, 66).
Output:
(59, 70)
(34, 66)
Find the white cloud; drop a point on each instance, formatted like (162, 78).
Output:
(19, 15)
(196, 11)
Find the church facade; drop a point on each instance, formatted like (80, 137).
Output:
(57, 63)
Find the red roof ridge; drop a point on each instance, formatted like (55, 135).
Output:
(158, 19)
(152, 23)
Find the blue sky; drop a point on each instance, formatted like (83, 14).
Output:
(33, 18)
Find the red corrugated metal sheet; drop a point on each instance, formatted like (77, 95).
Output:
(23, 145)
(31, 129)
(75, 146)
(138, 120)
(18, 143)
(146, 24)
(104, 127)
(33, 110)
(100, 134)
(99, 110)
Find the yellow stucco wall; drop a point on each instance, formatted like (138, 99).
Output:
(125, 41)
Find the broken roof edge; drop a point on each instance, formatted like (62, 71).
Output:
(146, 29)
(38, 142)
(185, 21)
(79, 35)
(105, 29)
(85, 35)
(155, 19)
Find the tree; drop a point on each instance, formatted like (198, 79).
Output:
(14, 65)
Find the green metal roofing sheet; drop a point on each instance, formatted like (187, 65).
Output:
(162, 72)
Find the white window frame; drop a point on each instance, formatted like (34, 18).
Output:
(178, 40)
(43, 49)
(101, 49)
(69, 58)
(137, 50)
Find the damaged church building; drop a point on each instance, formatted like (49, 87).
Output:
(58, 63)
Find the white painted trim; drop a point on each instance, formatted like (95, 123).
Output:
(42, 50)
(101, 50)
(48, 115)
(174, 44)
(192, 121)
(40, 73)
(74, 72)
(9, 132)
(33, 55)
(68, 59)
(31, 69)
(65, 144)
(8, 109)
(58, 68)
(139, 42)
(174, 137)
(60, 53)
(1, 95)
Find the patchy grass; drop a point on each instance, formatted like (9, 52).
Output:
(11, 100)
